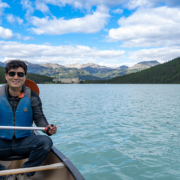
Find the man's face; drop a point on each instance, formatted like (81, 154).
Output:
(15, 82)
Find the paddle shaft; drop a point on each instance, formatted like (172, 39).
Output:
(32, 169)
(24, 128)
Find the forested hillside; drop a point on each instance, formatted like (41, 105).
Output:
(37, 78)
(168, 72)
(34, 77)
(2, 78)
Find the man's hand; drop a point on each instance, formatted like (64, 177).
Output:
(52, 129)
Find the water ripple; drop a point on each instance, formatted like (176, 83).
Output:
(119, 132)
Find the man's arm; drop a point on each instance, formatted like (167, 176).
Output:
(38, 115)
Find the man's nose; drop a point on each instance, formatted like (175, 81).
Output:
(16, 76)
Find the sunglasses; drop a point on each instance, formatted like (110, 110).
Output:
(12, 74)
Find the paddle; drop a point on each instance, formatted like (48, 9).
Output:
(25, 128)
(32, 85)
(32, 169)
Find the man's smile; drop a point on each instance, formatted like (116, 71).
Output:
(16, 82)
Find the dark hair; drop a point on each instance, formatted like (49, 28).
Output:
(14, 64)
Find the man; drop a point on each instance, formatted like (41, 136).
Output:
(19, 106)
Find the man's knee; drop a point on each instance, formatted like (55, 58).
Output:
(46, 142)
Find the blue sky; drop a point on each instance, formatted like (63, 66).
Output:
(105, 32)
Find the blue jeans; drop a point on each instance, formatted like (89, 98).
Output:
(36, 147)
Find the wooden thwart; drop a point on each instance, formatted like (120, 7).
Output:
(32, 169)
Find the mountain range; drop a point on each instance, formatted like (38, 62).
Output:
(166, 73)
(85, 71)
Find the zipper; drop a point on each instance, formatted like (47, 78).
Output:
(14, 112)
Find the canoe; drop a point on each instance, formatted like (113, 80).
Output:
(67, 172)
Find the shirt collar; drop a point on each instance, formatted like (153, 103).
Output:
(7, 91)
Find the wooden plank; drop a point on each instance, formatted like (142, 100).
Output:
(32, 169)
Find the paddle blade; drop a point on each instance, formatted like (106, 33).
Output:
(32, 85)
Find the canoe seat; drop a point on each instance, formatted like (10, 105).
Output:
(12, 158)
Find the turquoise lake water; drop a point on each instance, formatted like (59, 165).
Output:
(117, 132)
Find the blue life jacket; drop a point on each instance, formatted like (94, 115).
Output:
(23, 115)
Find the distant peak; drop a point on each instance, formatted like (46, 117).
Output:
(123, 67)
(149, 62)
(52, 65)
(80, 66)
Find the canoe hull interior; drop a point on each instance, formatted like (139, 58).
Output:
(58, 174)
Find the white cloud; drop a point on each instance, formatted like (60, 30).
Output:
(117, 11)
(82, 54)
(80, 4)
(90, 23)
(28, 5)
(19, 20)
(159, 54)
(6, 33)
(12, 19)
(112, 63)
(25, 38)
(55, 54)
(42, 6)
(149, 27)
(3, 5)
(132, 4)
